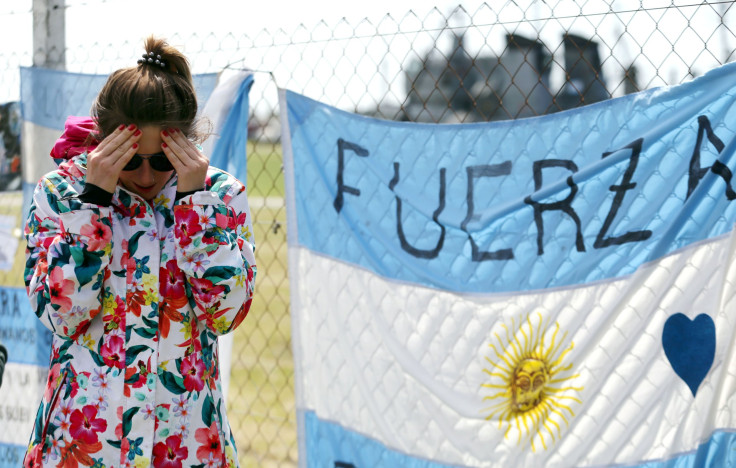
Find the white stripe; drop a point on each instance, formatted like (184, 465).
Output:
(405, 364)
(36, 144)
(20, 395)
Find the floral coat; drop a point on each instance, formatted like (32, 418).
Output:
(136, 295)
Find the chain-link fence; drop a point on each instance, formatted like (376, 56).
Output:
(488, 61)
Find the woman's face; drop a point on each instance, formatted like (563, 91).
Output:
(145, 181)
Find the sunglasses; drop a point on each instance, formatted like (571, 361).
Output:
(158, 161)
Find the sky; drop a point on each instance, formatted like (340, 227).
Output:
(104, 34)
(90, 23)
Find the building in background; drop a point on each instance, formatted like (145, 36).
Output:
(519, 83)
(584, 82)
(458, 87)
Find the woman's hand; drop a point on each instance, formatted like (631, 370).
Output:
(105, 162)
(190, 164)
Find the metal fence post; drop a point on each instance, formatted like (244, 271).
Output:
(49, 34)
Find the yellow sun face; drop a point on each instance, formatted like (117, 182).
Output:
(529, 378)
(533, 390)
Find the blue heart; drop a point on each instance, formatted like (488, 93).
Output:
(690, 346)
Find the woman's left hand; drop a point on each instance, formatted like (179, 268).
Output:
(189, 163)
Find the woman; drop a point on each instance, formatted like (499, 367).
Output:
(139, 256)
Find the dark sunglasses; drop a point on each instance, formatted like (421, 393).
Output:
(158, 161)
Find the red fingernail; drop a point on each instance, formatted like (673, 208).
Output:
(122, 126)
(135, 145)
(164, 145)
(165, 133)
(131, 126)
(137, 132)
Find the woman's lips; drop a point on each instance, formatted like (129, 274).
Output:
(142, 188)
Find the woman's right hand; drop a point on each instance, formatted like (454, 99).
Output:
(105, 162)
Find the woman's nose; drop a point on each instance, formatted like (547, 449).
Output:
(146, 174)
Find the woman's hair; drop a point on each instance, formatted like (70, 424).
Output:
(149, 94)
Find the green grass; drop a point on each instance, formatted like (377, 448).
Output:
(265, 177)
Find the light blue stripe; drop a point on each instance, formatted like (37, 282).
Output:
(21, 332)
(48, 96)
(331, 445)
(365, 231)
(11, 456)
(328, 444)
(230, 149)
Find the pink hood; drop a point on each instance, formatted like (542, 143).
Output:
(77, 130)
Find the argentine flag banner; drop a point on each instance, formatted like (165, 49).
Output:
(553, 291)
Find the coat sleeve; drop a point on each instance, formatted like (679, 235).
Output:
(215, 250)
(67, 255)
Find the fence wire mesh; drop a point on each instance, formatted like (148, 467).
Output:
(463, 63)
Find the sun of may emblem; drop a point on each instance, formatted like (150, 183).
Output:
(533, 390)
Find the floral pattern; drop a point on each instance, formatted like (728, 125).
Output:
(136, 295)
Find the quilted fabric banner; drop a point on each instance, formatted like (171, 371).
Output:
(553, 291)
